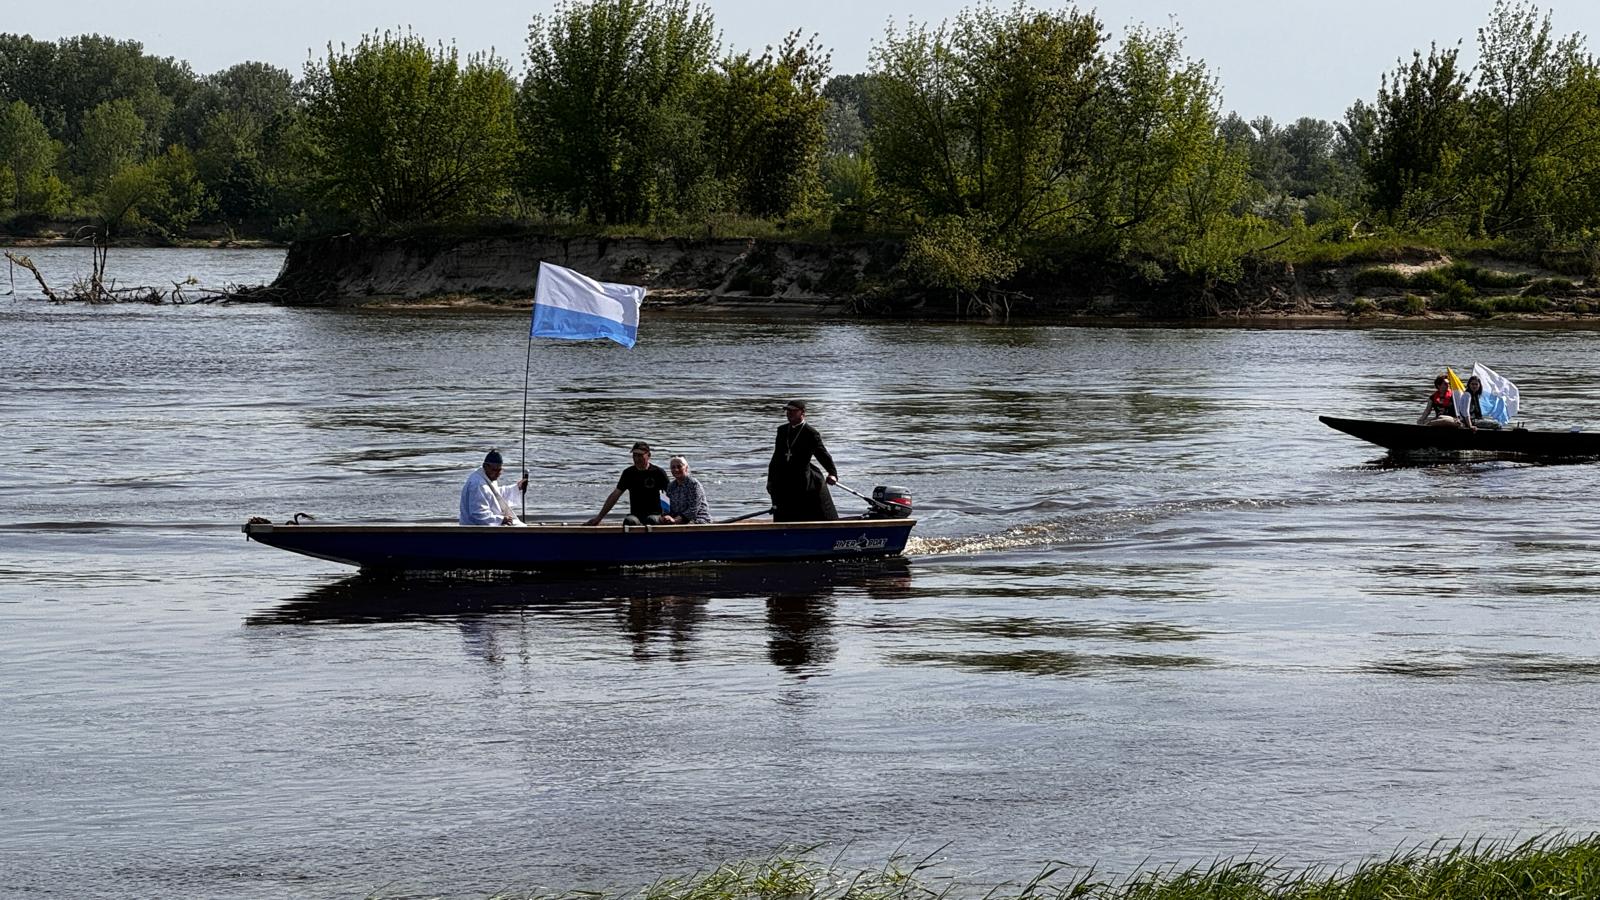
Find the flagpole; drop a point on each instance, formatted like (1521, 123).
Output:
(527, 370)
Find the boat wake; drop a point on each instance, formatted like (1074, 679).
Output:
(1081, 529)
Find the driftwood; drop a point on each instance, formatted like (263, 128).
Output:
(95, 289)
(27, 263)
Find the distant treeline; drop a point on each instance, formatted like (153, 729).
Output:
(1003, 137)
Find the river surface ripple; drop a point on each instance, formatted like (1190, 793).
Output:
(1154, 610)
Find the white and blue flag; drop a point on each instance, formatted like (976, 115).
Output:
(572, 306)
(1499, 400)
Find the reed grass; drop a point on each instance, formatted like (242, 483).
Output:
(1549, 866)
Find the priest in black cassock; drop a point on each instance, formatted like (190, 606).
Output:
(799, 492)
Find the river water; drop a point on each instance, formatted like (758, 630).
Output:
(1154, 611)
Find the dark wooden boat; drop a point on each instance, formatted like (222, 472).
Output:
(1421, 439)
(445, 548)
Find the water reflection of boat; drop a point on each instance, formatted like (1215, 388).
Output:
(552, 547)
(1406, 439)
(366, 598)
(657, 612)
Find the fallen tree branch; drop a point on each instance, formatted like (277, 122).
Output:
(27, 263)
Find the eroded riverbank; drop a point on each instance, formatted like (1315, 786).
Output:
(862, 278)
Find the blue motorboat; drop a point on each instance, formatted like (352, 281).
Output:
(446, 548)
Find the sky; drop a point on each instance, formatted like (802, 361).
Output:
(1280, 58)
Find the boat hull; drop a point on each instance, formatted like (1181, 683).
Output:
(1414, 439)
(443, 548)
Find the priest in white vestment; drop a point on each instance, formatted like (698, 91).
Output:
(484, 501)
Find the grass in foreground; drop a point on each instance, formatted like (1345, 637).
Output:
(1552, 866)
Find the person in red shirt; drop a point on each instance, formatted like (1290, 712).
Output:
(1441, 405)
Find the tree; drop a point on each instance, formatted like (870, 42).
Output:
(402, 133)
(993, 114)
(853, 92)
(236, 122)
(25, 149)
(1351, 154)
(1537, 123)
(27, 68)
(612, 86)
(177, 196)
(87, 71)
(1308, 143)
(959, 255)
(253, 92)
(766, 119)
(111, 138)
(1160, 134)
(1420, 127)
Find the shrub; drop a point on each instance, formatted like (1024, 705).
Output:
(1550, 287)
(1456, 295)
(958, 254)
(1360, 307)
(1408, 305)
(1519, 304)
(1431, 280)
(1484, 278)
(1379, 276)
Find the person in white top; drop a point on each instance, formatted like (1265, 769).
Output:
(484, 501)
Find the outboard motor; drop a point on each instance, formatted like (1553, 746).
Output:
(890, 503)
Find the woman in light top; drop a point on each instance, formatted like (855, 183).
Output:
(686, 496)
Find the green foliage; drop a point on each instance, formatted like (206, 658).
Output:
(1537, 126)
(1380, 276)
(114, 208)
(609, 111)
(402, 133)
(27, 153)
(766, 119)
(1483, 279)
(1024, 120)
(1456, 295)
(1519, 304)
(1409, 305)
(65, 80)
(1034, 126)
(1360, 307)
(991, 115)
(1435, 279)
(245, 127)
(958, 254)
(1546, 867)
(177, 197)
(1549, 287)
(1165, 178)
(1419, 127)
(111, 140)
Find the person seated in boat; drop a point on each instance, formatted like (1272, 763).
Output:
(686, 496)
(643, 484)
(1475, 417)
(484, 501)
(1441, 405)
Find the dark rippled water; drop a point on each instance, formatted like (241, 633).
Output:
(1154, 611)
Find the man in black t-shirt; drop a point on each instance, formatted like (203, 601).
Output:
(644, 484)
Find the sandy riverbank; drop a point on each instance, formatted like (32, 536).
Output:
(861, 278)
